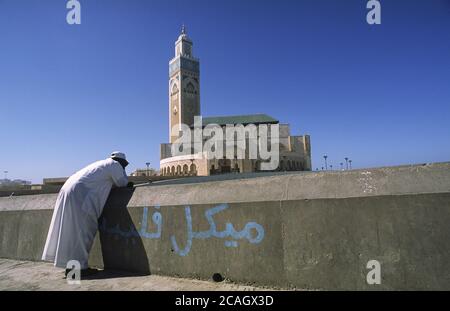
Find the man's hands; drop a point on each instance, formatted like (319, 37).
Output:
(130, 184)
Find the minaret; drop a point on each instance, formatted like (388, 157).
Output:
(184, 85)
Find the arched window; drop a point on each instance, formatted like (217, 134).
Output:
(173, 170)
(178, 169)
(190, 89)
(185, 169)
(236, 168)
(193, 169)
(174, 89)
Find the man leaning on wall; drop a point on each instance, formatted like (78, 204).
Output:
(79, 204)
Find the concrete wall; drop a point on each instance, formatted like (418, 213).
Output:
(304, 230)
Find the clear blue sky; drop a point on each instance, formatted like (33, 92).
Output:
(70, 95)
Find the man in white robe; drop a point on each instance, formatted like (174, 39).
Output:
(79, 205)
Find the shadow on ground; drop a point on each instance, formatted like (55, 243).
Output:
(113, 274)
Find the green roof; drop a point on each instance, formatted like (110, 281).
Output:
(239, 119)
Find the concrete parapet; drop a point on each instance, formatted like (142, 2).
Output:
(313, 230)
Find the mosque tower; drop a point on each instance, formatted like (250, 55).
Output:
(184, 86)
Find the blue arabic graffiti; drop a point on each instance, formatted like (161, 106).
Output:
(229, 232)
(156, 218)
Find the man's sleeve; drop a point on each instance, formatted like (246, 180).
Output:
(119, 176)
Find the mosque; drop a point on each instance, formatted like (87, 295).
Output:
(294, 153)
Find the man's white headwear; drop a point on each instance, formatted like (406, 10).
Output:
(118, 155)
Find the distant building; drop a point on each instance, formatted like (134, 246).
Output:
(15, 184)
(184, 105)
(144, 172)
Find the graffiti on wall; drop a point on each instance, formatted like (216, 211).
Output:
(252, 231)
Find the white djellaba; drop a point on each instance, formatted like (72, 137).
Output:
(79, 205)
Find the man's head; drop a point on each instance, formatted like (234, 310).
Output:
(120, 157)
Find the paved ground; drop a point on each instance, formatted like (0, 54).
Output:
(26, 275)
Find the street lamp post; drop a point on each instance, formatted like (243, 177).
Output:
(342, 166)
(148, 165)
(350, 162)
(326, 166)
(331, 167)
(346, 163)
